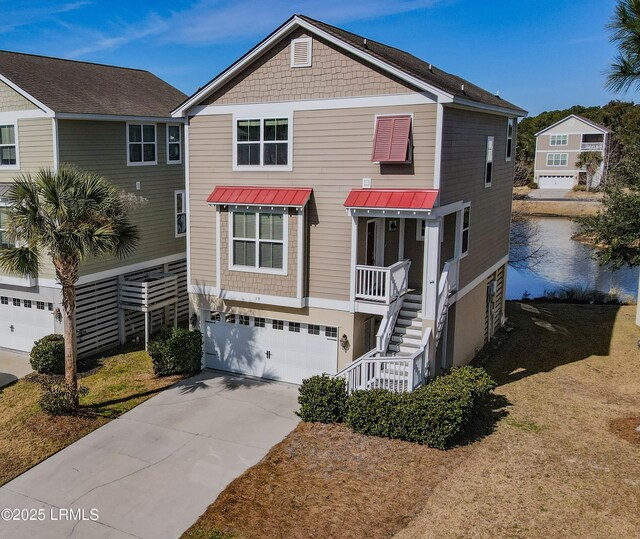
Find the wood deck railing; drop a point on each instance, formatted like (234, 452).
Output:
(382, 284)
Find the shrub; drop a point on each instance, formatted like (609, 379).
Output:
(322, 399)
(532, 185)
(54, 399)
(47, 355)
(579, 187)
(176, 351)
(433, 414)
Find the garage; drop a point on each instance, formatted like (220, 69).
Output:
(555, 182)
(268, 348)
(22, 322)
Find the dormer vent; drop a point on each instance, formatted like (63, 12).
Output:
(301, 52)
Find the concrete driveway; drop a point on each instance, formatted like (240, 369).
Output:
(154, 470)
(13, 365)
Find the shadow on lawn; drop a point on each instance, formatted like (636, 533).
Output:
(546, 336)
(484, 421)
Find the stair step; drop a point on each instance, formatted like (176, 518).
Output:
(408, 330)
(406, 313)
(412, 306)
(404, 347)
(413, 297)
(406, 338)
(409, 322)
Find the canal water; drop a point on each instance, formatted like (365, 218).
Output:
(567, 263)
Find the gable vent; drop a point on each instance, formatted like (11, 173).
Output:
(301, 52)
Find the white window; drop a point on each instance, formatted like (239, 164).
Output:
(16, 302)
(466, 220)
(142, 148)
(4, 300)
(181, 214)
(258, 241)
(312, 329)
(243, 320)
(174, 144)
(230, 318)
(8, 147)
(557, 159)
(332, 333)
(263, 143)
(488, 169)
(27, 303)
(40, 305)
(294, 327)
(558, 140)
(278, 324)
(5, 242)
(509, 149)
(301, 52)
(259, 322)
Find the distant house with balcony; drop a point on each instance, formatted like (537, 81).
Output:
(558, 147)
(349, 210)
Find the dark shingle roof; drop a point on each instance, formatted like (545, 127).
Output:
(85, 88)
(417, 68)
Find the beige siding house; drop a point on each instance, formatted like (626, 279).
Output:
(558, 147)
(349, 209)
(117, 122)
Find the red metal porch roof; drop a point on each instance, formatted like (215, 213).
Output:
(398, 199)
(260, 196)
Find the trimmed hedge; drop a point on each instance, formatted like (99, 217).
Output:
(322, 399)
(176, 351)
(433, 414)
(47, 355)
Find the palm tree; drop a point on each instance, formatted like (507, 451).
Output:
(68, 215)
(625, 34)
(591, 162)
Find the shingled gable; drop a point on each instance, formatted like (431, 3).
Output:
(69, 86)
(398, 63)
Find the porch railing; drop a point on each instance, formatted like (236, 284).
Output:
(592, 146)
(383, 284)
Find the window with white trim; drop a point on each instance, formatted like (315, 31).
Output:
(558, 140)
(142, 148)
(258, 241)
(488, 169)
(313, 329)
(557, 159)
(262, 142)
(259, 322)
(40, 305)
(509, 148)
(27, 303)
(174, 144)
(8, 146)
(466, 221)
(277, 324)
(181, 214)
(330, 332)
(243, 320)
(5, 241)
(294, 327)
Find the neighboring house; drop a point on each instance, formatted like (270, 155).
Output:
(115, 121)
(559, 145)
(347, 201)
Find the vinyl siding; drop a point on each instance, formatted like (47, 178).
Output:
(464, 141)
(10, 100)
(332, 74)
(331, 154)
(102, 147)
(35, 147)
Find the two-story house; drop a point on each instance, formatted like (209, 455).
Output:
(349, 209)
(115, 121)
(558, 147)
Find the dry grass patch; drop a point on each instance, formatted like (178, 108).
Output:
(28, 435)
(553, 467)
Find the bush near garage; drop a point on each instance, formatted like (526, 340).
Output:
(322, 399)
(176, 351)
(47, 355)
(434, 414)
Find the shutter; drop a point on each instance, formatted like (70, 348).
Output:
(301, 52)
(391, 139)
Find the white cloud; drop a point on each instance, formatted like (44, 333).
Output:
(16, 18)
(208, 22)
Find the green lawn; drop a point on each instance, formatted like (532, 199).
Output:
(28, 435)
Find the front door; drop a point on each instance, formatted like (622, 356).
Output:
(375, 242)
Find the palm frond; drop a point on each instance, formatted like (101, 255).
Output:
(23, 261)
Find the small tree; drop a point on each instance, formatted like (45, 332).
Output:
(525, 242)
(69, 215)
(590, 161)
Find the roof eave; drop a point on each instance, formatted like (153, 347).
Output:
(27, 95)
(585, 120)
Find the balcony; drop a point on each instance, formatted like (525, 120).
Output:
(382, 285)
(592, 146)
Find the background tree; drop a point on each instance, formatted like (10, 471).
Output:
(69, 216)
(625, 34)
(590, 161)
(526, 249)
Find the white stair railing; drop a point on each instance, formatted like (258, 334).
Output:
(374, 283)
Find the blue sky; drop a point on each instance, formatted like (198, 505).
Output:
(540, 54)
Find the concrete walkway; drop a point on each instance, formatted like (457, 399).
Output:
(13, 365)
(154, 470)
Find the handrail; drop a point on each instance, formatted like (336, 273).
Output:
(388, 324)
(377, 283)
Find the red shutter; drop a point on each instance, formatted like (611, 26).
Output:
(391, 139)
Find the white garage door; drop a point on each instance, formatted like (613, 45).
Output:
(555, 182)
(274, 349)
(23, 323)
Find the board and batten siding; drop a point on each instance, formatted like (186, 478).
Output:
(101, 146)
(331, 154)
(10, 100)
(464, 141)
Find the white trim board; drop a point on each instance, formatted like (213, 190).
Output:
(118, 118)
(15, 115)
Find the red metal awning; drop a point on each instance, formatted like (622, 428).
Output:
(392, 199)
(260, 196)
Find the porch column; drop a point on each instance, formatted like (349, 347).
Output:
(431, 272)
(354, 261)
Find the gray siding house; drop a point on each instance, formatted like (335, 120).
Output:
(349, 211)
(115, 121)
